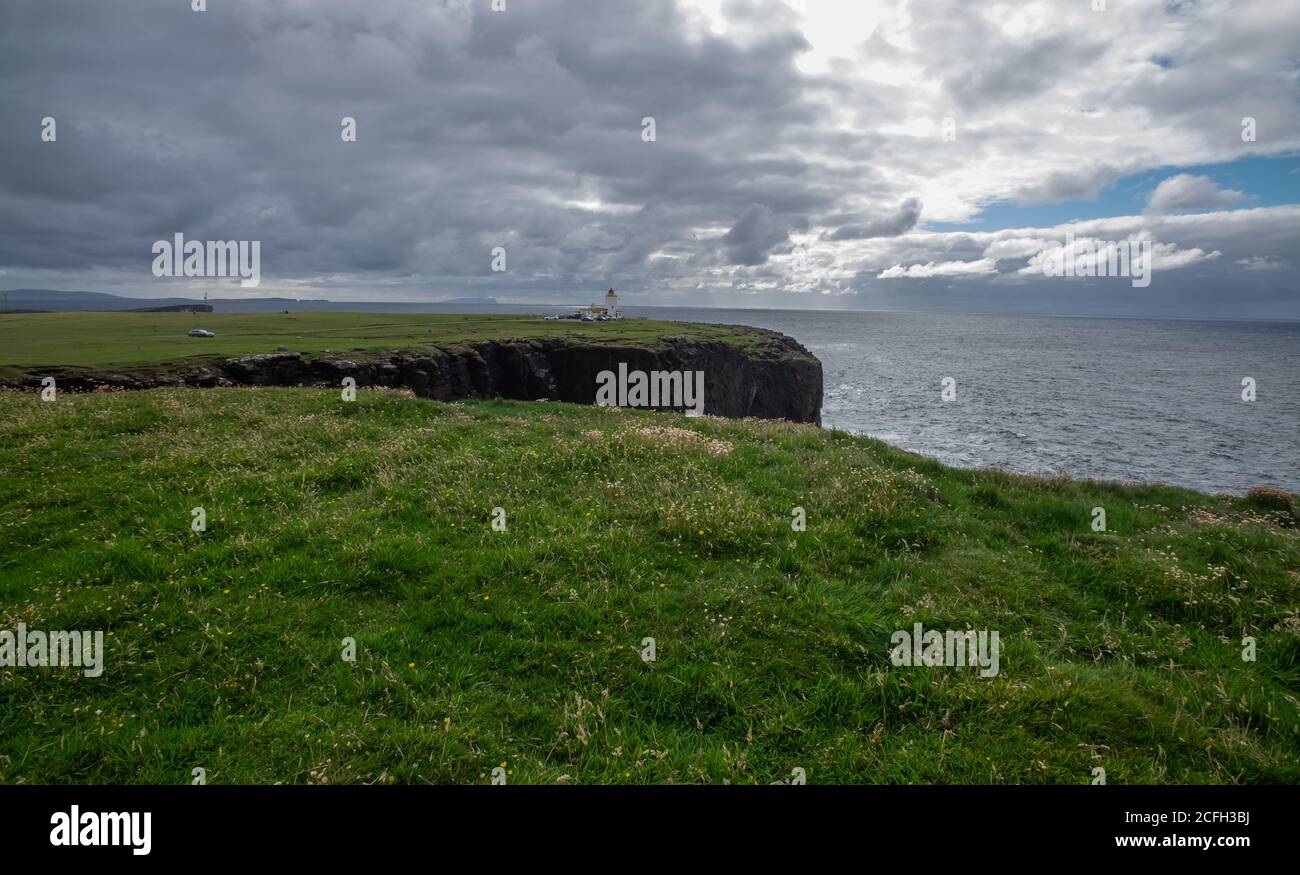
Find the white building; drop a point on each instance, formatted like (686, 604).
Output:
(610, 309)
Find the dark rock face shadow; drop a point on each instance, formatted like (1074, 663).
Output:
(775, 378)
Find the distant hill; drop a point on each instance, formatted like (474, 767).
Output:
(50, 300)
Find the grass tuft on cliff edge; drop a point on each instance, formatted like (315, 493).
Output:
(476, 648)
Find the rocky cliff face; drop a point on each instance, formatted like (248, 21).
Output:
(774, 378)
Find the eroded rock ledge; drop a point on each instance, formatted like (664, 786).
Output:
(772, 378)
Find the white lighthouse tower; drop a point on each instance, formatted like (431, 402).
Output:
(611, 305)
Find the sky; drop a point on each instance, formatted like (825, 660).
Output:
(931, 154)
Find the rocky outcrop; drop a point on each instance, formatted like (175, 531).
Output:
(773, 377)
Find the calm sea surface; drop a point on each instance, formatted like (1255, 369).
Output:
(1102, 398)
(1112, 399)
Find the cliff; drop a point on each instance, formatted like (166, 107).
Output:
(770, 377)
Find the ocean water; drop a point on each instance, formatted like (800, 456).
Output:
(1111, 399)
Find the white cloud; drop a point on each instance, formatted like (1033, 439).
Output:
(1260, 263)
(1091, 255)
(1015, 247)
(1177, 241)
(1188, 192)
(946, 268)
(1169, 257)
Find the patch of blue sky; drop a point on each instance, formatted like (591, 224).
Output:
(1263, 182)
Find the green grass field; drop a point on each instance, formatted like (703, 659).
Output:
(520, 648)
(106, 340)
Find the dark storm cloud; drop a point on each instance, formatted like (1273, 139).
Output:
(476, 129)
(1006, 69)
(900, 222)
(754, 236)
(1013, 72)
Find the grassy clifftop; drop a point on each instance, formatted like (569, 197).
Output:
(475, 648)
(119, 340)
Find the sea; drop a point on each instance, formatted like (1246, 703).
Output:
(1128, 400)
(1109, 399)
